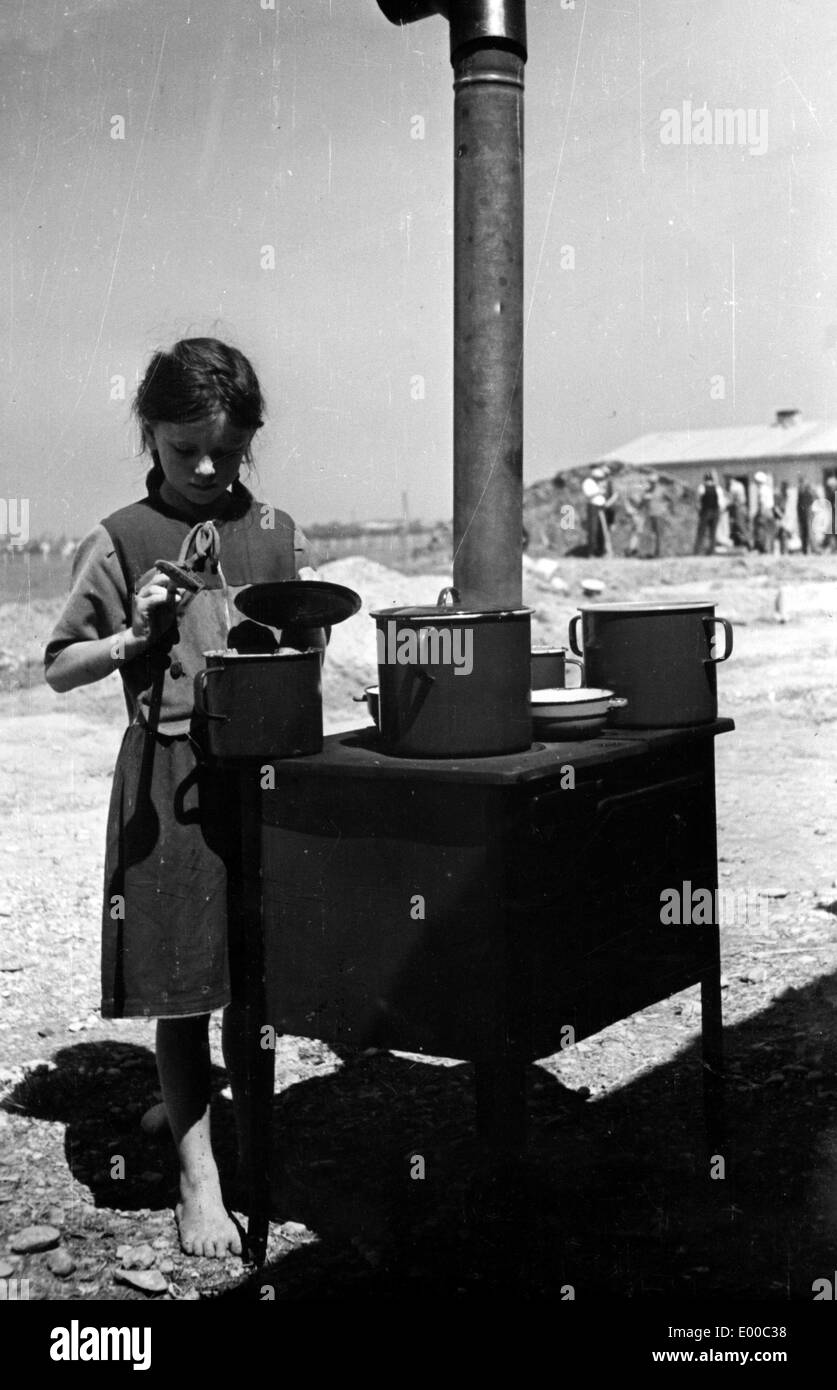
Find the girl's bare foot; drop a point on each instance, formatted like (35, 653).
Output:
(203, 1222)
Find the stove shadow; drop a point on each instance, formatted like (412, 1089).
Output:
(616, 1195)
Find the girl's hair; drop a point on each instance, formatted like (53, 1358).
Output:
(196, 379)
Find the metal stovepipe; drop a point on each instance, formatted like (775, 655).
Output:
(488, 54)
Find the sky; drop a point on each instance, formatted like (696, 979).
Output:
(670, 283)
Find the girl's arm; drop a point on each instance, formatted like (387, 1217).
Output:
(82, 663)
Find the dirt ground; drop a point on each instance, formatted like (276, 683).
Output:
(614, 1194)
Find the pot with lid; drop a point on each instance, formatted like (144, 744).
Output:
(661, 656)
(255, 701)
(259, 705)
(453, 682)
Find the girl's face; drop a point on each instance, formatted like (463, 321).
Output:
(200, 459)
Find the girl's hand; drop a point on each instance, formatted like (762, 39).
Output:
(154, 607)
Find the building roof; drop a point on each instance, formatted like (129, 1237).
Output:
(795, 439)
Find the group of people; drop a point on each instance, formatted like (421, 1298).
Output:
(775, 517)
(765, 521)
(645, 511)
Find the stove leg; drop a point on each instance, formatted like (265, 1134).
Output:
(713, 1060)
(501, 1102)
(260, 1076)
(260, 1060)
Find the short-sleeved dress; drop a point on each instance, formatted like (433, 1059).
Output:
(173, 854)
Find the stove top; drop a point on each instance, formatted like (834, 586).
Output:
(359, 752)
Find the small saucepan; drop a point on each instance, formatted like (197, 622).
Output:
(549, 667)
(258, 705)
(371, 697)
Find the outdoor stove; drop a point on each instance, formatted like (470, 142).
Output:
(492, 908)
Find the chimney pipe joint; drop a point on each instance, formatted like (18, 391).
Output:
(473, 23)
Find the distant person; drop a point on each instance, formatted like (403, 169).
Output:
(606, 503)
(598, 531)
(633, 504)
(590, 488)
(654, 505)
(723, 508)
(610, 500)
(805, 502)
(709, 513)
(739, 519)
(782, 518)
(763, 519)
(829, 540)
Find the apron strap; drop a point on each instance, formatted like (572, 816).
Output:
(201, 549)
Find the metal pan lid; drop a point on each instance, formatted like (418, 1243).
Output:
(298, 602)
(437, 613)
(233, 657)
(672, 606)
(448, 607)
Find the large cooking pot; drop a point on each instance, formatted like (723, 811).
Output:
(259, 705)
(660, 656)
(453, 682)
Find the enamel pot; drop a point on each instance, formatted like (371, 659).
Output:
(453, 682)
(661, 657)
(259, 705)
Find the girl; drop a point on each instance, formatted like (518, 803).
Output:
(171, 867)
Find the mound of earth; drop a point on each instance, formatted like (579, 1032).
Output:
(553, 528)
(352, 655)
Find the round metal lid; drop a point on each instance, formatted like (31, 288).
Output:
(298, 602)
(443, 613)
(673, 606)
(448, 606)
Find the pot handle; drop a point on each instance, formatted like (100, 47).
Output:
(574, 622)
(448, 597)
(617, 702)
(727, 626)
(200, 691)
(418, 695)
